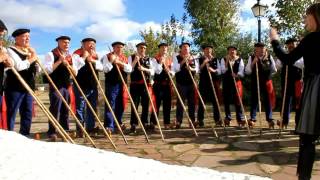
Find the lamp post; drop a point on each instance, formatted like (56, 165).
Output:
(259, 10)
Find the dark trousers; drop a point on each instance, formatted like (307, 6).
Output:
(230, 96)
(208, 96)
(22, 101)
(83, 112)
(139, 93)
(114, 95)
(307, 151)
(162, 93)
(58, 109)
(266, 102)
(186, 92)
(290, 99)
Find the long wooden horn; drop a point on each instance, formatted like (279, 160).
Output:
(200, 97)
(181, 101)
(66, 103)
(131, 100)
(240, 100)
(259, 99)
(283, 101)
(51, 118)
(152, 104)
(107, 102)
(216, 98)
(90, 107)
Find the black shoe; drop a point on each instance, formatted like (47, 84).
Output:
(151, 127)
(201, 124)
(133, 129)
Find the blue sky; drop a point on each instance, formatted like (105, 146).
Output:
(105, 20)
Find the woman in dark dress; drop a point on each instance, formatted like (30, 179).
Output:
(309, 124)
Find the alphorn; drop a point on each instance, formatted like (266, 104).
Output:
(283, 101)
(90, 107)
(65, 102)
(200, 97)
(259, 99)
(152, 104)
(240, 100)
(107, 102)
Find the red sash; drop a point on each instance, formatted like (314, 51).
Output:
(3, 117)
(298, 86)
(271, 93)
(240, 90)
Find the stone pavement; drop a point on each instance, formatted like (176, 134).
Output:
(234, 151)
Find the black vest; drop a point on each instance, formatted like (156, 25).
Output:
(183, 76)
(13, 84)
(1, 78)
(204, 76)
(264, 68)
(235, 68)
(294, 74)
(136, 74)
(60, 76)
(85, 77)
(112, 77)
(162, 77)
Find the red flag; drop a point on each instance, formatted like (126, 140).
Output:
(3, 117)
(271, 93)
(72, 99)
(298, 85)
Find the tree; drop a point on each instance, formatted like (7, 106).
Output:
(288, 16)
(170, 33)
(213, 22)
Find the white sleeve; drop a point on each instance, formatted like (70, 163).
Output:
(98, 65)
(196, 61)
(107, 66)
(218, 67)
(77, 62)
(157, 67)
(273, 65)
(241, 68)
(176, 65)
(278, 64)
(223, 66)
(299, 63)
(48, 62)
(152, 67)
(19, 64)
(248, 69)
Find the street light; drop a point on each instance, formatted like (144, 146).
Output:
(259, 10)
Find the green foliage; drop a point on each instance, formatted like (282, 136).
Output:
(213, 22)
(170, 33)
(288, 18)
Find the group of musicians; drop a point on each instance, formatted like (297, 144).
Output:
(147, 75)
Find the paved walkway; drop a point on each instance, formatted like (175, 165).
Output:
(234, 151)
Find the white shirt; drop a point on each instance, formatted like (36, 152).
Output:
(79, 62)
(299, 63)
(249, 67)
(152, 71)
(20, 64)
(107, 66)
(176, 67)
(224, 69)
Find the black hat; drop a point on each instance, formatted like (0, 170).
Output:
(63, 38)
(259, 44)
(88, 39)
(3, 26)
(206, 45)
(141, 44)
(290, 40)
(232, 47)
(117, 43)
(183, 43)
(162, 44)
(18, 32)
